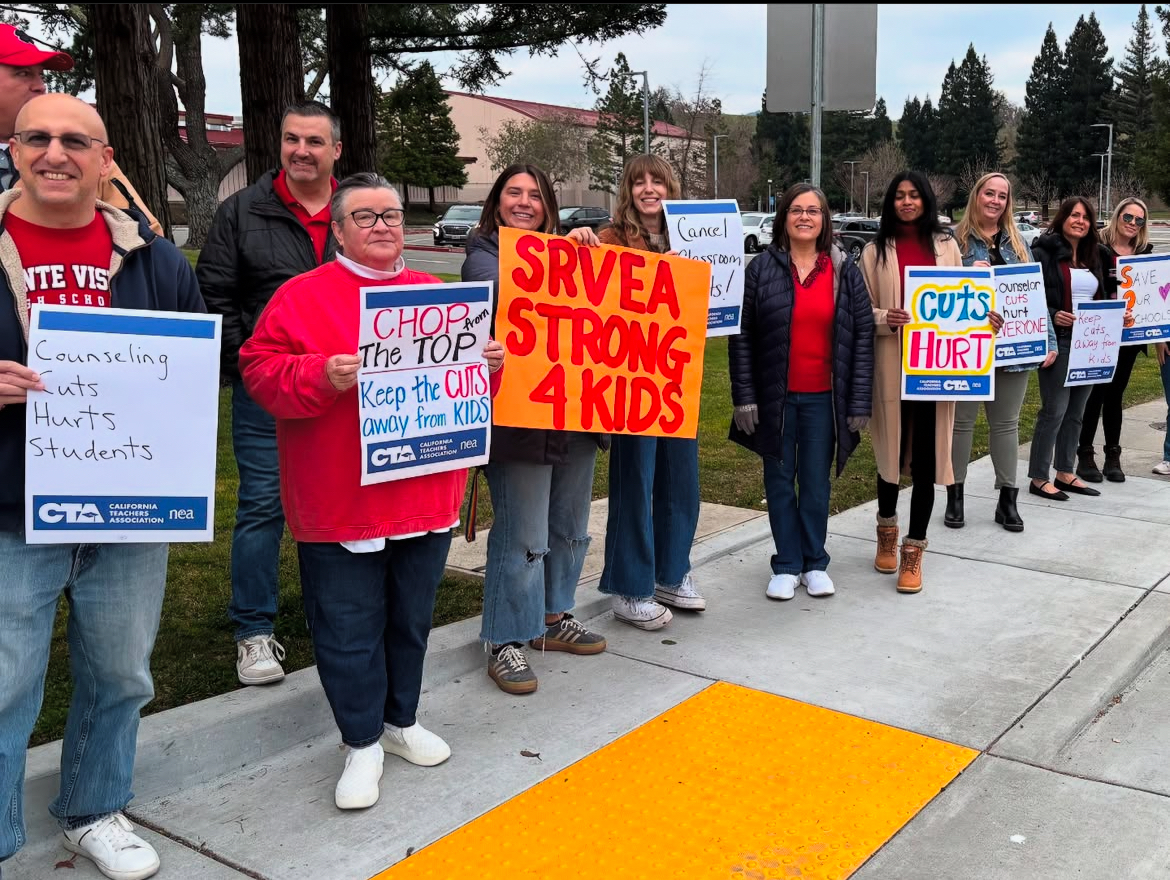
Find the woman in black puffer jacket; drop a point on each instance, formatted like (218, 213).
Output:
(801, 380)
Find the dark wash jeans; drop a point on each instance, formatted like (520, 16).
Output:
(370, 615)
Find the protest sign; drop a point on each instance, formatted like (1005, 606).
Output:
(1144, 284)
(948, 347)
(1096, 341)
(120, 446)
(1019, 293)
(605, 339)
(712, 231)
(424, 402)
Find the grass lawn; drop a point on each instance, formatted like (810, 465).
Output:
(194, 656)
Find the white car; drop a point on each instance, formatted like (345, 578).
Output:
(757, 231)
(1029, 233)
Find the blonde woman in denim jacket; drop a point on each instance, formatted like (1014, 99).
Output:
(987, 236)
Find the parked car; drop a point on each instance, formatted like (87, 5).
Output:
(1028, 232)
(752, 224)
(578, 217)
(1032, 218)
(852, 235)
(456, 224)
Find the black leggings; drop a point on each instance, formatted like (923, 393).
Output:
(1105, 401)
(918, 433)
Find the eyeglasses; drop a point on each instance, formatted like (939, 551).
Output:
(807, 212)
(1139, 222)
(73, 141)
(369, 219)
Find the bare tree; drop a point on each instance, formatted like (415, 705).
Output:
(882, 163)
(969, 174)
(557, 143)
(1039, 188)
(699, 117)
(944, 186)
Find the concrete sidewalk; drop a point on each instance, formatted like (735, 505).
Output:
(1044, 654)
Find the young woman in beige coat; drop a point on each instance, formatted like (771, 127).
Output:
(911, 436)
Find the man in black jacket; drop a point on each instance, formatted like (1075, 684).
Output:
(261, 237)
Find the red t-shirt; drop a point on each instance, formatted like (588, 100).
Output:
(64, 267)
(810, 358)
(317, 224)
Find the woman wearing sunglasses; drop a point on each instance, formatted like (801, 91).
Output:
(1124, 236)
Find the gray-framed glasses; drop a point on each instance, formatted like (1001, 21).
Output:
(368, 219)
(73, 141)
(808, 212)
(1139, 222)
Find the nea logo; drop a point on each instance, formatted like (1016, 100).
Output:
(70, 513)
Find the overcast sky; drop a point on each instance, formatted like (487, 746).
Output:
(915, 45)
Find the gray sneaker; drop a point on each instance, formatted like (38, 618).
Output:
(258, 659)
(509, 669)
(569, 634)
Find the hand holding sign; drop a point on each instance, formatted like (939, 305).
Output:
(342, 371)
(15, 382)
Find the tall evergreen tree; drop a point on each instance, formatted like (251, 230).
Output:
(909, 128)
(1087, 73)
(1044, 98)
(918, 134)
(781, 148)
(1152, 160)
(1133, 107)
(968, 129)
(881, 128)
(619, 133)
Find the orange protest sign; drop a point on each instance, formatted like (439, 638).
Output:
(604, 339)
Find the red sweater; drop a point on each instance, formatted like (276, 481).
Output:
(810, 360)
(309, 319)
(910, 253)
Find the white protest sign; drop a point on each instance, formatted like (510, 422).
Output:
(1096, 341)
(1144, 284)
(711, 231)
(120, 446)
(1020, 300)
(424, 402)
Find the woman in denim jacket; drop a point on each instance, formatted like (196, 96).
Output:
(987, 236)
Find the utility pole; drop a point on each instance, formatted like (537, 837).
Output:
(851, 163)
(865, 174)
(645, 109)
(1101, 209)
(1109, 156)
(818, 92)
(715, 138)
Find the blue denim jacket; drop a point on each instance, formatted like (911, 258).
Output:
(977, 250)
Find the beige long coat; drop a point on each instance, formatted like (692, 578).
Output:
(885, 287)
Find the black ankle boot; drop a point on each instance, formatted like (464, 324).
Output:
(1086, 466)
(953, 516)
(1113, 471)
(1006, 513)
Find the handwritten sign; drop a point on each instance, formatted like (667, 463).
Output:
(1144, 284)
(1019, 292)
(605, 339)
(120, 446)
(424, 403)
(1096, 341)
(948, 347)
(712, 231)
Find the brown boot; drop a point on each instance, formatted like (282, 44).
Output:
(910, 573)
(886, 560)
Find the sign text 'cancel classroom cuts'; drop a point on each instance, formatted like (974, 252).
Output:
(712, 231)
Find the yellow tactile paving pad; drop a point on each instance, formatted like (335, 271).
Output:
(731, 783)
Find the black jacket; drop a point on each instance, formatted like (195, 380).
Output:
(153, 274)
(255, 244)
(529, 445)
(1054, 254)
(758, 354)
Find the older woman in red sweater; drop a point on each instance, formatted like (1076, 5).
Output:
(371, 557)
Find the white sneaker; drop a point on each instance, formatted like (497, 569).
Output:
(782, 586)
(818, 583)
(258, 659)
(416, 744)
(642, 613)
(112, 845)
(358, 786)
(1163, 468)
(683, 596)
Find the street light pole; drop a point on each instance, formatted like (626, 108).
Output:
(645, 108)
(865, 174)
(1109, 154)
(769, 194)
(851, 163)
(1101, 183)
(716, 139)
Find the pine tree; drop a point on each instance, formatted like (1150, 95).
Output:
(1133, 108)
(1044, 97)
(419, 144)
(781, 148)
(1088, 87)
(909, 135)
(1152, 160)
(968, 127)
(880, 127)
(619, 133)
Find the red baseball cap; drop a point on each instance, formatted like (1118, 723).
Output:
(18, 50)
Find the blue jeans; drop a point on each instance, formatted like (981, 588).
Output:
(370, 615)
(1165, 370)
(800, 525)
(115, 595)
(653, 514)
(538, 541)
(259, 518)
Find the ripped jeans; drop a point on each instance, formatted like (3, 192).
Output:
(537, 543)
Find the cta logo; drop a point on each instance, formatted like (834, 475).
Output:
(956, 385)
(70, 512)
(390, 455)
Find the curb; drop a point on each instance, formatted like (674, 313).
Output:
(432, 247)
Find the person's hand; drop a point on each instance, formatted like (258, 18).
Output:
(1127, 321)
(341, 370)
(15, 382)
(857, 423)
(897, 317)
(1161, 350)
(1064, 319)
(1049, 360)
(747, 417)
(584, 235)
(982, 264)
(493, 353)
(996, 320)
